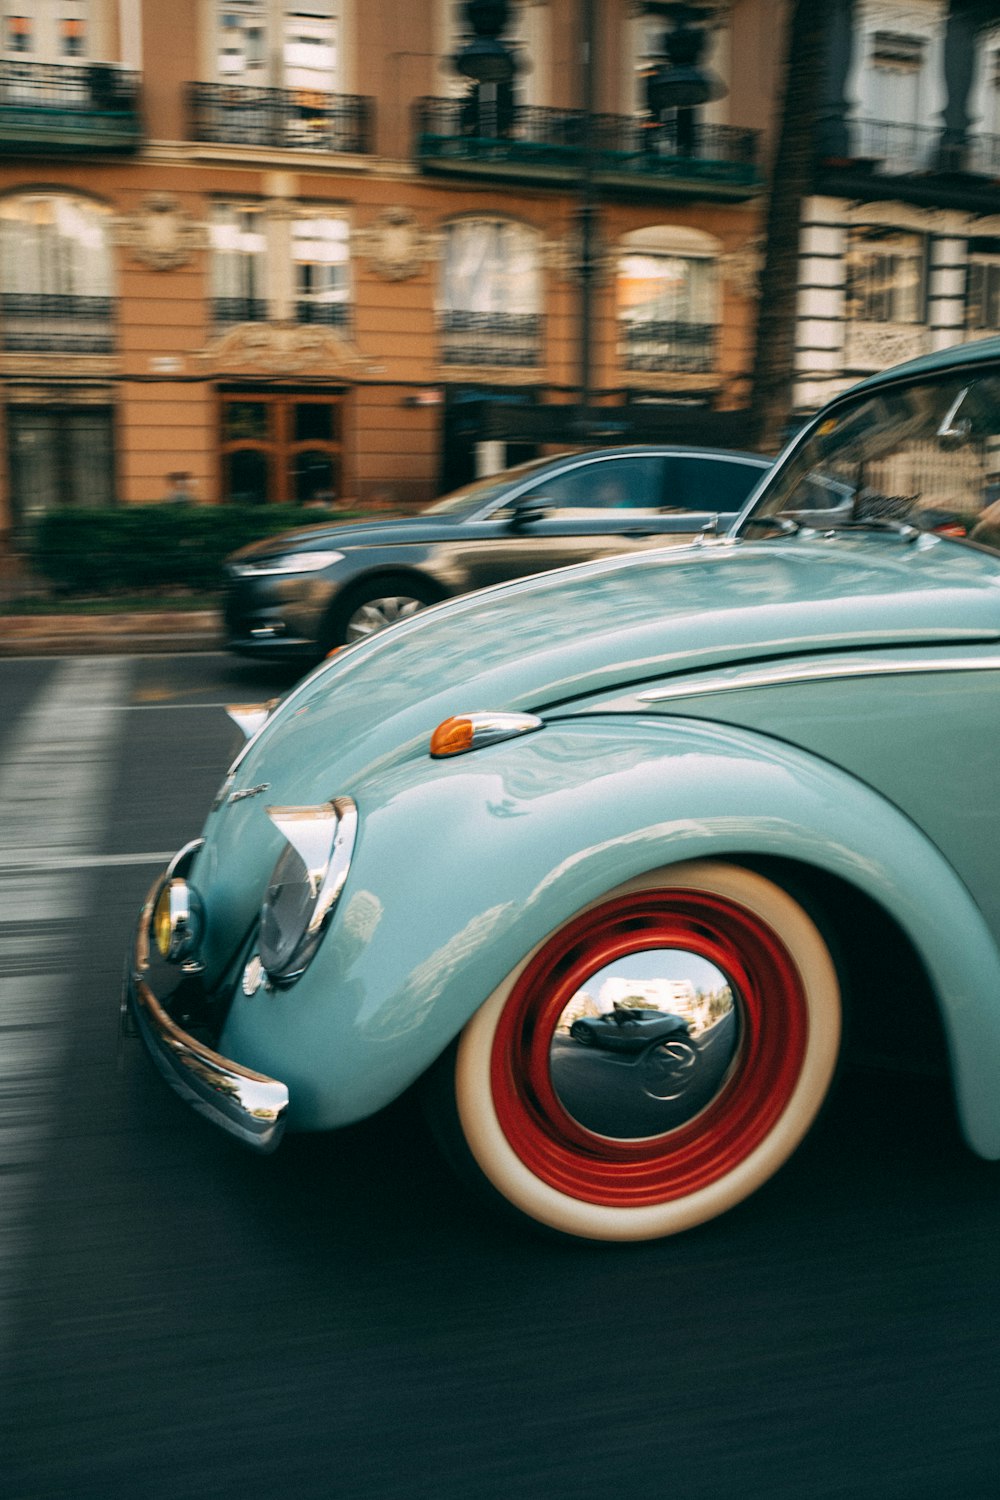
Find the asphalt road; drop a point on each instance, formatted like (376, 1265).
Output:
(182, 1320)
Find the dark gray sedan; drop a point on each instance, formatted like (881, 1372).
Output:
(306, 592)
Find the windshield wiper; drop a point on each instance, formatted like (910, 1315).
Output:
(904, 529)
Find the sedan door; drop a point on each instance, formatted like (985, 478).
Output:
(593, 507)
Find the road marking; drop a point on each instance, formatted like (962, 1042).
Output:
(85, 862)
(55, 786)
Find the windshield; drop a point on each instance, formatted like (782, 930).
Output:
(925, 455)
(474, 496)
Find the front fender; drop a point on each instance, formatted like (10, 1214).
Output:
(463, 866)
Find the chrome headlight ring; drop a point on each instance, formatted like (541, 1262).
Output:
(305, 885)
(173, 920)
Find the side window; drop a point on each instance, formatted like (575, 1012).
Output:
(709, 483)
(606, 484)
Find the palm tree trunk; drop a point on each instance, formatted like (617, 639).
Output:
(791, 179)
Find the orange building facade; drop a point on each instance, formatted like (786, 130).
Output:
(256, 251)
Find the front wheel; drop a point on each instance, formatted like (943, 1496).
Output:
(575, 1138)
(368, 608)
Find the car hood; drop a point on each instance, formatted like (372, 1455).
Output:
(560, 636)
(343, 536)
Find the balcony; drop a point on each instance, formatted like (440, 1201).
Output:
(468, 137)
(229, 310)
(913, 163)
(290, 119)
(55, 324)
(326, 314)
(500, 340)
(50, 108)
(657, 346)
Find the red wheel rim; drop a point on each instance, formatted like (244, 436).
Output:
(773, 1035)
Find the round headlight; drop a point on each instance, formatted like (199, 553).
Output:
(161, 922)
(176, 921)
(305, 884)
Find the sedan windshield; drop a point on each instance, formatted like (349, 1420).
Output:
(473, 497)
(923, 455)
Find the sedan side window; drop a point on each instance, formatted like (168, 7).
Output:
(709, 483)
(605, 484)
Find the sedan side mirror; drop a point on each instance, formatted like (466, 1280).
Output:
(529, 508)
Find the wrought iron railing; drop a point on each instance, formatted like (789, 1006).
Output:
(56, 323)
(301, 119)
(983, 155)
(895, 148)
(475, 129)
(511, 340)
(330, 314)
(239, 310)
(69, 107)
(104, 87)
(657, 344)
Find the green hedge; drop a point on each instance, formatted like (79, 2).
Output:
(139, 547)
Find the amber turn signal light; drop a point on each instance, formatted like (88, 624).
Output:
(462, 732)
(453, 736)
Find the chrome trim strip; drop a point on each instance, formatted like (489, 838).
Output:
(249, 717)
(818, 671)
(323, 836)
(245, 1104)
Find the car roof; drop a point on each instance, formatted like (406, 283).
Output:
(684, 450)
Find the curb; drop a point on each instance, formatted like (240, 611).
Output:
(125, 634)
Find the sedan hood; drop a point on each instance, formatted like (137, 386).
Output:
(344, 535)
(561, 636)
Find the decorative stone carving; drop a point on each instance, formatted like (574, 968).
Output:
(876, 346)
(525, 375)
(283, 349)
(162, 235)
(44, 365)
(741, 268)
(395, 245)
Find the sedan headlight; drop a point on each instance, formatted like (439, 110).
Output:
(289, 562)
(305, 884)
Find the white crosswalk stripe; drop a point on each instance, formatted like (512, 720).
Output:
(55, 776)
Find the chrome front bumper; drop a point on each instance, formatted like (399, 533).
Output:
(246, 1104)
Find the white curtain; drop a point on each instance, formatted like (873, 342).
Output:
(490, 267)
(54, 245)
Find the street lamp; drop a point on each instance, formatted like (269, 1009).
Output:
(489, 63)
(680, 83)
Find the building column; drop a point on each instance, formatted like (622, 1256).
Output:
(130, 34)
(819, 353)
(947, 261)
(833, 136)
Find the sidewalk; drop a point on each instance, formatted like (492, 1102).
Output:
(124, 634)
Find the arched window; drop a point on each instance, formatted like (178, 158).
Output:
(490, 294)
(668, 301)
(56, 286)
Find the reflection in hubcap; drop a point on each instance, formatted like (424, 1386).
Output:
(645, 1044)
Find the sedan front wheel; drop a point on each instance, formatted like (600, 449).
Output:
(367, 609)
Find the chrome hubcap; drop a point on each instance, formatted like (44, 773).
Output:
(645, 1044)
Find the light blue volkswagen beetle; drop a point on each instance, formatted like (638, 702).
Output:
(749, 786)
